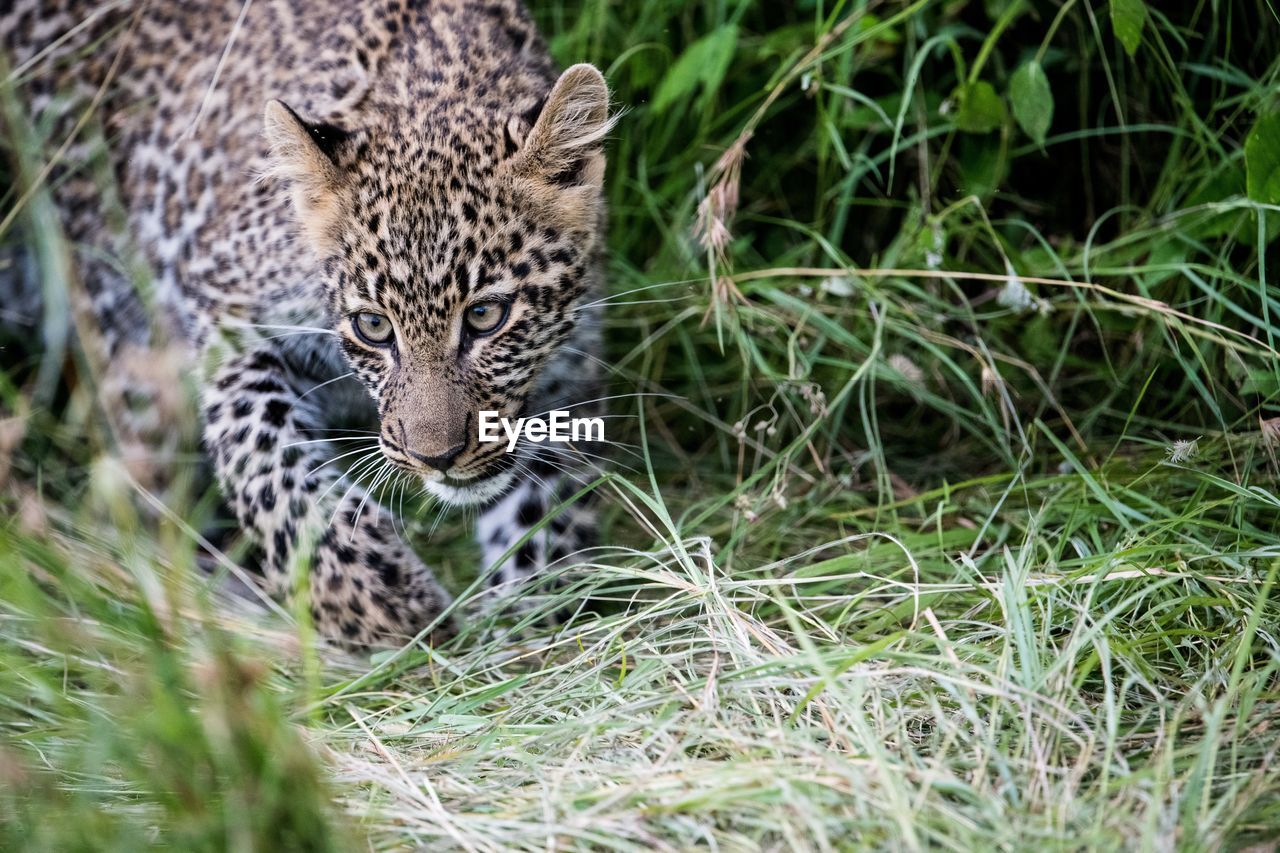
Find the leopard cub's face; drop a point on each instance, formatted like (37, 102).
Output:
(457, 256)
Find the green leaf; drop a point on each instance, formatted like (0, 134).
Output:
(979, 109)
(869, 21)
(1225, 181)
(1032, 101)
(981, 164)
(1167, 256)
(996, 8)
(1127, 19)
(703, 62)
(1262, 160)
(1261, 381)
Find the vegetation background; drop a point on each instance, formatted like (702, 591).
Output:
(945, 512)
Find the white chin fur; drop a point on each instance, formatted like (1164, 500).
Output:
(482, 491)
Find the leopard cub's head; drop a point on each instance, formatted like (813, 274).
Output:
(458, 245)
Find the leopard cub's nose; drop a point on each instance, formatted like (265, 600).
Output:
(441, 462)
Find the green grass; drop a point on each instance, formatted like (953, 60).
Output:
(906, 555)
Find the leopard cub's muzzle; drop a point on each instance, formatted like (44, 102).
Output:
(427, 426)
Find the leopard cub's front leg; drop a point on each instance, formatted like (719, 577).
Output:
(570, 530)
(366, 585)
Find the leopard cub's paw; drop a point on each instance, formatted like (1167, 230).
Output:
(372, 590)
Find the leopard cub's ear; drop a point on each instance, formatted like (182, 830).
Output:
(304, 155)
(566, 145)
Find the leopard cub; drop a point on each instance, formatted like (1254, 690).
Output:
(385, 212)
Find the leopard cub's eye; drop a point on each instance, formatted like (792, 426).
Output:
(485, 317)
(373, 328)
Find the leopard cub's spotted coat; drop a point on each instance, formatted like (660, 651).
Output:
(398, 194)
